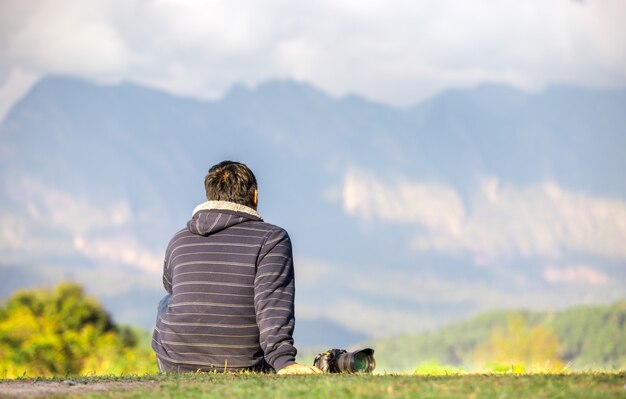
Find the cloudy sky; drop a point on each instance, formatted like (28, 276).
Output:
(392, 51)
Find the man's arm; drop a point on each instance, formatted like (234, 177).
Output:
(167, 270)
(172, 247)
(274, 289)
(167, 277)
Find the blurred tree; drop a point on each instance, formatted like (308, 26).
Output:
(63, 332)
(593, 336)
(518, 347)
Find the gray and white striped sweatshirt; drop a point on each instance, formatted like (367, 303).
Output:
(231, 280)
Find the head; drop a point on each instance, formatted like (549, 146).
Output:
(233, 182)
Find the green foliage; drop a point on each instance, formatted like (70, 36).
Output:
(63, 332)
(598, 342)
(433, 367)
(453, 344)
(588, 337)
(520, 348)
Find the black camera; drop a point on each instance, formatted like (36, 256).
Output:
(342, 361)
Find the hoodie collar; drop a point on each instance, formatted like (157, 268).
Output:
(225, 206)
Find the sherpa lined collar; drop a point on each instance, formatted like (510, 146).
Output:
(225, 206)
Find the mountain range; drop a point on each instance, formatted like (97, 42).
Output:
(402, 219)
(591, 337)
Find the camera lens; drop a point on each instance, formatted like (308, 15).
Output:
(357, 362)
(342, 361)
(361, 362)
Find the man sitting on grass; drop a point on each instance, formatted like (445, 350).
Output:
(230, 280)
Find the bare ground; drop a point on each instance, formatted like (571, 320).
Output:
(34, 389)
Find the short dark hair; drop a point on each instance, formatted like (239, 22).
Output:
(230, 181)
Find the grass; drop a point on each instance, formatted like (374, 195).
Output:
(250, 385)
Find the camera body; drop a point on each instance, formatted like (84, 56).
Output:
(342, 361)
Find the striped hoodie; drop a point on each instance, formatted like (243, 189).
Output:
(231, 280)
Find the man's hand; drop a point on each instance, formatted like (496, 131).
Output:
(298, 368)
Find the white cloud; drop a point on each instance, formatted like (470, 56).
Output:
(398, 52)
(436, 206)
(50, 206)
(501, 221)
(20, 239)
(13, 86)
(119, 250)
(70, 37)
(47, 220)
(575, 274)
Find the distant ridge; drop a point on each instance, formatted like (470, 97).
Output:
(591, 337)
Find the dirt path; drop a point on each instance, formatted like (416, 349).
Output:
(29, 389)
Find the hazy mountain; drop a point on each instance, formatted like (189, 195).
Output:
(95, 180)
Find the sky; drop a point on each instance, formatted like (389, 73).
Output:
(394, 51)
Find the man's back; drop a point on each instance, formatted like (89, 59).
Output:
(230, 276)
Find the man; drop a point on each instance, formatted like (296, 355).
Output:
(230, 281)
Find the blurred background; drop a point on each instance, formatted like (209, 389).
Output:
(452, 174)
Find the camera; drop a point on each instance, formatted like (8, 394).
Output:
(342, 361)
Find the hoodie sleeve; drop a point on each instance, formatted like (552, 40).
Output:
(167, 277)
(274, 288)
(167, 271)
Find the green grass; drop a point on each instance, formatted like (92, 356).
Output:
(570, 386)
